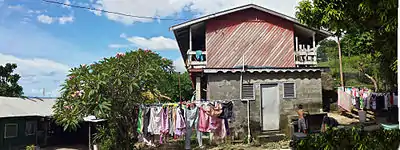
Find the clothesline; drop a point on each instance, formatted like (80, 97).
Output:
(166, 121)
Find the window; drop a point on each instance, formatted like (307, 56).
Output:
(10, 130)
(247, 91)
(289, 90)
(30, 128)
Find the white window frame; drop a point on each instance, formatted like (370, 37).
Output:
(294, 90)
(5, 130)
(34, 127)
(252, 91)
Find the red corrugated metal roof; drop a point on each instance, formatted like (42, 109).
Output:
(264, 40)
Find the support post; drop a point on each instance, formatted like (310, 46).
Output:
(198, 88)
(340, 63)
(398, 64)
(313, 40)
(190, 38)
(90, 138)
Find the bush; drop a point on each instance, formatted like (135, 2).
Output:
(351, 138)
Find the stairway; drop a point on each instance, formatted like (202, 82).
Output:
(270, 136)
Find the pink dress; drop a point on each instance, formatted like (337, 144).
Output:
(164, 121)
(204, 121)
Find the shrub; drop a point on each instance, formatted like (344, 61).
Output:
(351, 138)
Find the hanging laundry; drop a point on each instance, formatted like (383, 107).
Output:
(180, 122)
(199, 55)
(227, 110)
(140, 121)
(164, 121)
(191, 120)
(171, 121)
(146, 120)
(204, 119)
(155, 120)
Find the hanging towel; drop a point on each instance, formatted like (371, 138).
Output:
(199, 55)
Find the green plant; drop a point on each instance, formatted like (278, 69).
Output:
(353, 138)
(30, 147)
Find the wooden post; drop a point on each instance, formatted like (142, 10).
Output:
(198, 88)
(340, 63)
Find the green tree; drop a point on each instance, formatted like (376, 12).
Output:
(360, 69)
(170, 86)
(111, 89)
(371, 26)
(9, 81)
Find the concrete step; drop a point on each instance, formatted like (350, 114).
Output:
(270, 136)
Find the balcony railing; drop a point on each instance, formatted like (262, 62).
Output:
(304, 55)
(196, 59)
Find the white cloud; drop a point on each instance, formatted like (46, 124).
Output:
(16, 7)
(179, 65)
(164, 8)
(65, 19)
(49, 20)
(118, 46)
(37, 72)
(68, 3)
(97, 5)
(45, 19)
(154, 43)
(34, 11)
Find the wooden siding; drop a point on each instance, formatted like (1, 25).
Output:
(266, 40)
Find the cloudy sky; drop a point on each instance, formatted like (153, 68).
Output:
(45, 40)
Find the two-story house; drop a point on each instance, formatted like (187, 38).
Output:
(253, 53)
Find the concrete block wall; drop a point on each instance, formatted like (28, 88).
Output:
(223, 86)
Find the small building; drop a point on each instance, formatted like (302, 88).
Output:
(256, 54)
(23, 121)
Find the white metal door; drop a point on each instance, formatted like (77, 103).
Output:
(270, 107)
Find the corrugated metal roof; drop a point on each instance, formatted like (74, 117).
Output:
(24, 107)
(263, 70)
(265, 41)
(221, 13)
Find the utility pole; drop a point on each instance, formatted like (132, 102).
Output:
(340, 62)
(179, 84)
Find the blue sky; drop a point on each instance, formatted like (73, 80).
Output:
(45, 40)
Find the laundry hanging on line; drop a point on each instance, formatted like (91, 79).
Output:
(175, 119)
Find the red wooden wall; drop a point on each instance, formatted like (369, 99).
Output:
(265, 39)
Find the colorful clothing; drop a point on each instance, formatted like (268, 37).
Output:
(155, 120)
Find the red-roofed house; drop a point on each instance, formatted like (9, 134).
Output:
(253, 53)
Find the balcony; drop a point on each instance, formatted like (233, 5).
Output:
(305, 56)
(196, 59)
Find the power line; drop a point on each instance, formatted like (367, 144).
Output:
(111, 12)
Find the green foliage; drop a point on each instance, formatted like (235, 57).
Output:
(111, 89)
(353, 138)
(9, 81)
(170, 86)
(30, 147)
(370, 27)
